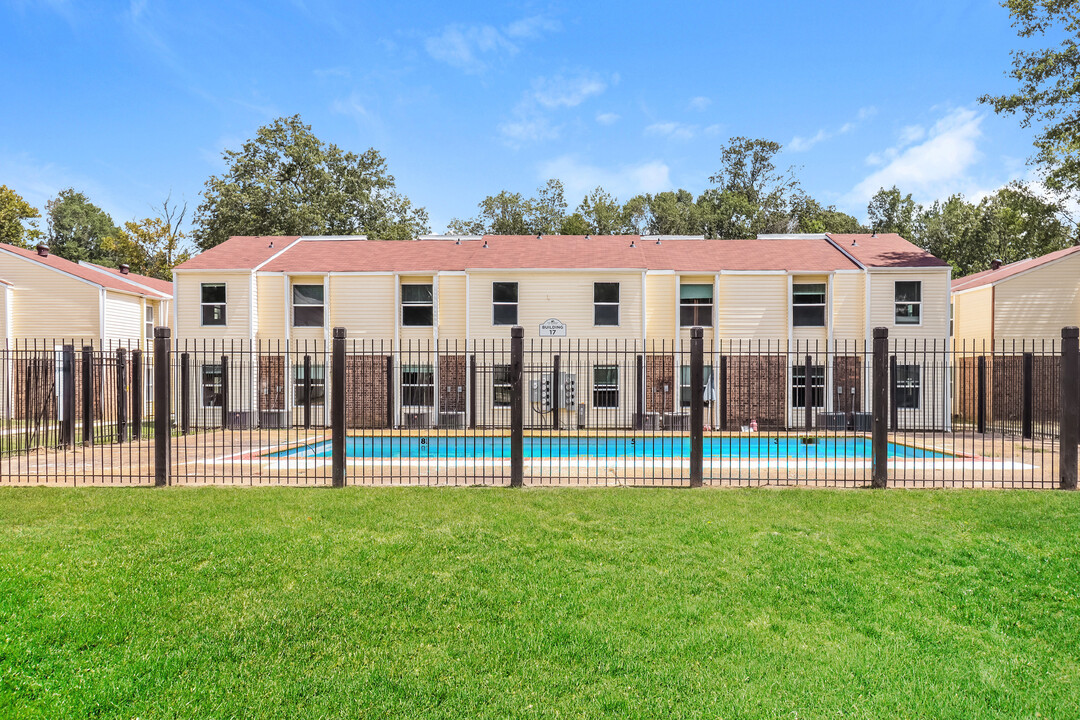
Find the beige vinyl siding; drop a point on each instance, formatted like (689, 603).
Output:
(5, 303)
(124, 318)
(848, 306)
(1037, 304)
(272, 308)
(363, 305)
(661, 312)
(972, 316)
(51, 304)
(451, 308)
(753, 307)
(187, 288)
(566, 296)
(935, 309)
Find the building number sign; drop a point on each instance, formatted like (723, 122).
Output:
(553, 327)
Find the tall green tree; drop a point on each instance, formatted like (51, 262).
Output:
(18, 219)
(513, 214)
(78, 228)
(1049, 91)
(152, 246)
(810, 216)
(751, 195)
(603, 213)
(286, 181)
(890, 211)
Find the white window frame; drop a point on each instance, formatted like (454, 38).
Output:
(497, 303)
(497, 385)
(917, 304)
(597, 304)
(418, 368)
(824, 304)
(203, 385)
(223, 304)
(798, 384)
(415, 304)
(696, 306)
(913, 384)
(308, 305)
(605, 387)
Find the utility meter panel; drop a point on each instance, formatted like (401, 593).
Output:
(540, 391)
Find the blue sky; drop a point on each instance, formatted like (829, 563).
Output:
(131, 101)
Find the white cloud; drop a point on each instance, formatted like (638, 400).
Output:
(352, 107)
(699, 103)
(625, 181)
(801, 144)
(714, 129)
(524, 130)
(472, 47)
(674, 130)
(607, 118)
(934, 168)
(561, 91)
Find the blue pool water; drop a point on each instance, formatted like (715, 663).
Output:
(464, 448)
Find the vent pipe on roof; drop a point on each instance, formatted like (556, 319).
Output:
(271, 243)
(657, 241)
(874, 233)
(995, 264)
(632, 244)
(854, 242)
(485, 243)
(43, 250)
(586, 236)
(458, 241)
(125, 269)
(539, 236)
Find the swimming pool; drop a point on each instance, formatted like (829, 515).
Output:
(749, 448)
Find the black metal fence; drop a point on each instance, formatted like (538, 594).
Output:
(541, 412)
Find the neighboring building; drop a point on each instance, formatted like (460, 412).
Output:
(48, 299)
(1023, 302)
(756, 300)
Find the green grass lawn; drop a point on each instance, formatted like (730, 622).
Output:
(214, 603)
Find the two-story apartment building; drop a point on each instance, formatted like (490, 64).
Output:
(427, 304)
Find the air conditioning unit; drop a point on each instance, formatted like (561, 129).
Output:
(416, 420)
(452, 420)
(676, 421)
(239, 420)
(650, 421)
(832, 421)
(274, 419)
(862, 421)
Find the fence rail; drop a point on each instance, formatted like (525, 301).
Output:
(545, 411)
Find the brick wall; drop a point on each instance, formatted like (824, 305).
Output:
(756, 390)
(365, 391)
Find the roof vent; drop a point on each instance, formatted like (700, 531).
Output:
(125, 269)
(539, 236)
(874, 233)
(485, 243)
(854, 242)
(458, 241)
(43, 250)
(586, 236)
(657, 241)
(632, 244)
(995, 264)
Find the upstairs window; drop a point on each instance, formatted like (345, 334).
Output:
(906, 392)
(213, 303)
(695, 305)
(908, 302)
(504, 301)
(417, 305)
(308, 306)
(808, 304)
(817, 386)
(605, 303)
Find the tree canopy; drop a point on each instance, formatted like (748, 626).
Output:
(18, 219)
(154, 245)
(1049, 93)
(286, 181)
(78, 228)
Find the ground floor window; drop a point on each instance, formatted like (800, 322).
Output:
(417, 386)
(606, 386)
(817, 386)
(907, 386)
(500, 386)
(212, 383)
(318, 385)
(684, 384)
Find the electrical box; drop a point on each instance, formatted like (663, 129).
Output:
(540, 391)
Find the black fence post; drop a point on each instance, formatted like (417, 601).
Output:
(723, 393)
(697, 406)
(556, 393)
(185, 393)
(879, 474)
(87, 395)
(980, 394)
(472, 391)
(337, 407)
(390, 391)
(162, 407)
(121, 395)
(307, 392)
(1070, 408)
(1026, 418)
(224, 392)
(894, 407)
(68, 372)
(808, 393)
(138, 377)
(517, 429)
(639, 394)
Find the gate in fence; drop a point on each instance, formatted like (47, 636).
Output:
(546, 411)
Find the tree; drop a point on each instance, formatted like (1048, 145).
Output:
(673, 213)
(18, 224)
(891, 212)
(1049, 93)
(286, 181)
(811, 217)
(575, 224)
(512, 214)
(602, 213)
(751, 196)
(78, 227)
(152, 246)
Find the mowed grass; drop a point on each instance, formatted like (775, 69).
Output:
(214, 603)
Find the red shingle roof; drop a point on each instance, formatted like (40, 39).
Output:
(989, 277)
(885, 250)
(526, 251)
(80, 271)
(162, 286)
